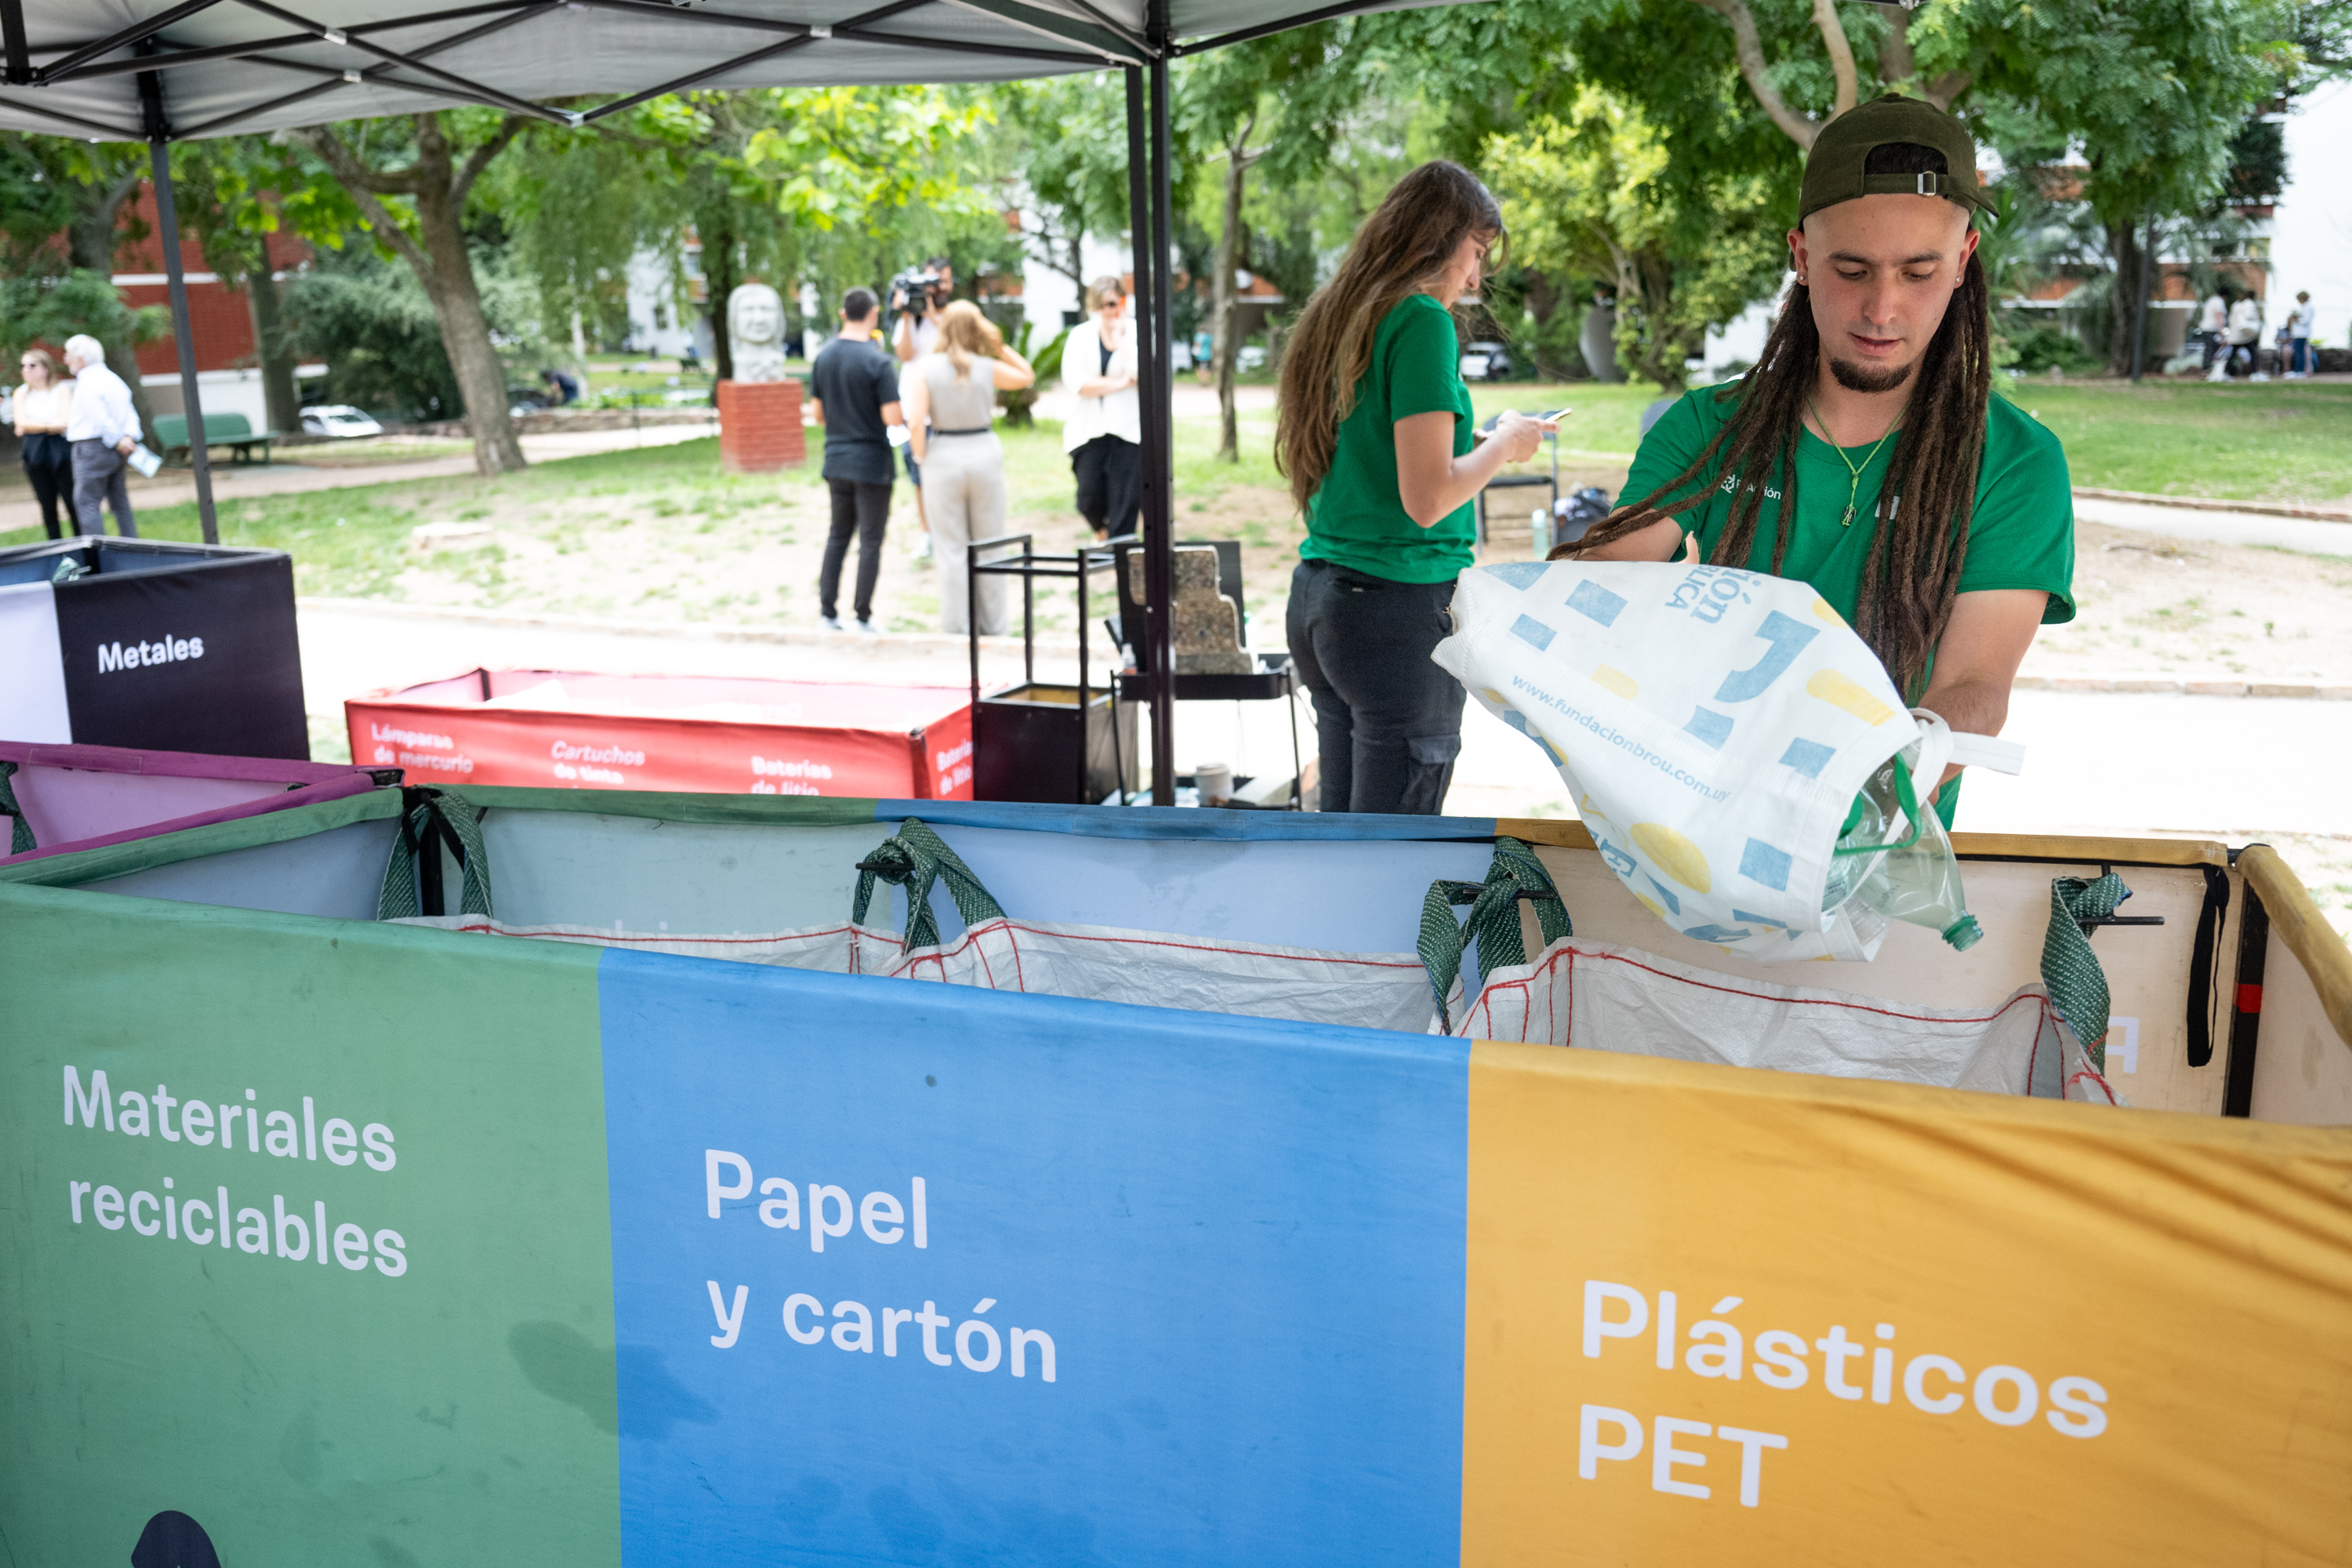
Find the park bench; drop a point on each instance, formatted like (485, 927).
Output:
(231, 430)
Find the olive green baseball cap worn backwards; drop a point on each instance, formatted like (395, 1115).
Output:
(1836, 170)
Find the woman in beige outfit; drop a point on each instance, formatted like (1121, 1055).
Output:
(950, 404)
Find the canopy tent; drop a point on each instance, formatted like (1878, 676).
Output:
(134, 70)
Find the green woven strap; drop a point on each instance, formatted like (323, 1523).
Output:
(433, 818)
(1493, 920)
(915, 858)
(2070, 970)
(20, 832)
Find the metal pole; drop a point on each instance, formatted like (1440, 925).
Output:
(183, 336)
(1151, 369)
(2139, 313)
(1160, 495)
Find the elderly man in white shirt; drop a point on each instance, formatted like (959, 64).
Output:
(103, 431)
(1103, 433)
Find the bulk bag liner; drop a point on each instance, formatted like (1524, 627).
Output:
(146, 643)
(634, 1257)
(60, 799)
(735, 734)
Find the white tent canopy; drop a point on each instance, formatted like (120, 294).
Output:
(225, 66)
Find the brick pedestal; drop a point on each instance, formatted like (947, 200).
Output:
(759, 426)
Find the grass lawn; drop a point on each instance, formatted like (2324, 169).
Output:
(2282, 442)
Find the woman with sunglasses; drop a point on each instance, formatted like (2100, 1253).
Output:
(1374, 432)
(41, 405)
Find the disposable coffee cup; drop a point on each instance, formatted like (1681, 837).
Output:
(1214, 781)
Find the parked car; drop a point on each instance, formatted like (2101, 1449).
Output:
(1485, 362)
(338, 419)
(1251, 356)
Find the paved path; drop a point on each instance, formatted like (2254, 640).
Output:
(241, 481)
(2307, 534)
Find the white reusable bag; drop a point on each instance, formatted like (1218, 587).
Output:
(1600, 996)
(1712, 726)
(997, 952)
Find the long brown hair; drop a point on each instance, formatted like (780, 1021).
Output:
(1412, 234)
(1921, 537)
(967, 334)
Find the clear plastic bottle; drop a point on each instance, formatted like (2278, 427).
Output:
(1895, 857)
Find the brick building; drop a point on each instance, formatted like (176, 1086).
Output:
(228, 373)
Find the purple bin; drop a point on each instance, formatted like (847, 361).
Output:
(80, 798)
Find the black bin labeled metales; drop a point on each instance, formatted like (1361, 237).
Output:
(152, 644)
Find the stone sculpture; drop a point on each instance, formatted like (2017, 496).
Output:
(755, 329)
(1207, 624)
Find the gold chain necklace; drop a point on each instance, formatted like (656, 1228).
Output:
(1854, 491)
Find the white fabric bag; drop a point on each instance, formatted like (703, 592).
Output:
(1150, 969)
(1599, 996)
(1712, 726)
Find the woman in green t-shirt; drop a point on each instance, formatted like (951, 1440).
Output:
(1375, 436)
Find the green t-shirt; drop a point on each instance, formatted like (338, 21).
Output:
(1357, 516)
(2021, 531)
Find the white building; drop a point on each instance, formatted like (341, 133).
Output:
(660, 322)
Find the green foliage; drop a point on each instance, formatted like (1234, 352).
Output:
(49, 309)
(2041, 348)
(368, 318)
(1599, 190)
(1066, 139)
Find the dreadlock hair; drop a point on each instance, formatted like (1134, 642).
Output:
(1917, 549)
(1412, 234)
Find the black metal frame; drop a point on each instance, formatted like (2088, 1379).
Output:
(1080, 566)
(1099, 40)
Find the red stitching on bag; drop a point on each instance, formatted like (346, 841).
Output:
(1820, 1001)
(1206, 947)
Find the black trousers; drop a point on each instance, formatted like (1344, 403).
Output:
(48, 464)
(1111, 484)
(1388, 722)
(864, 511)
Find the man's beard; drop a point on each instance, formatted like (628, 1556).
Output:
(1856, 377)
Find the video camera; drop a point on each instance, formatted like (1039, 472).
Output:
(916, 290)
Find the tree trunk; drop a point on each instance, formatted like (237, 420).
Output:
(436, 253)
(719, 281)
(2124, 245)
(466, 334)
(281, 397)
(1229, 255)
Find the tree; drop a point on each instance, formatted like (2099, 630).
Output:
(234, 193)
(432, 168)
(1688, 245)
(1070, 149)
(2152, 91)
(1289, 94)
(61, 206)
(766, 178)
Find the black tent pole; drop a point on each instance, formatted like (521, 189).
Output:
(1151, 370)
(184, 337)
(1160, 493)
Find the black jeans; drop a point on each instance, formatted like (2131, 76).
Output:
(1111, 484)
(864, 511)
(1388, 722)
(48, 463)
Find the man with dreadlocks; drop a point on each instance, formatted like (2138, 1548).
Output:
(1866, 452)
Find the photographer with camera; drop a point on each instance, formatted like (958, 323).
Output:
(916, 299)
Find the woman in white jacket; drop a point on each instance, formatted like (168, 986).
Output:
(1103, 434)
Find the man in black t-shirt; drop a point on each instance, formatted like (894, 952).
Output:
(855, 384)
